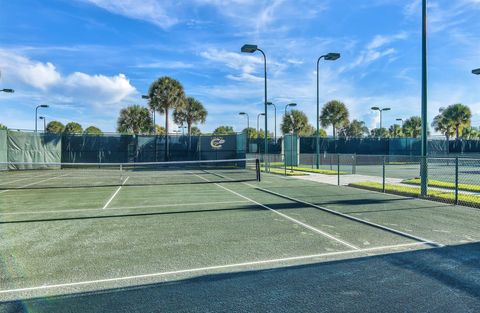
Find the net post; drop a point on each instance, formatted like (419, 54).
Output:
(456, 180)
(257, 169)
(383, 174)
(354, 164)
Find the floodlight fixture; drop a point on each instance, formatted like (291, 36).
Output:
(476, 71)
(332, 56)
(7, 90)
(249, 48)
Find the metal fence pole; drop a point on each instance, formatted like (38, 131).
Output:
(383, 174)
(456, 181)
(338, 169)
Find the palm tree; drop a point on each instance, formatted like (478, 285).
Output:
(470, 133)
(190, 113)
(442, 124)
(73, 128)
(55, 127)
(300, 124)
(395, 131)
(135, 119)
(93, 130)
(459, 115)
(334, 113)
(356, 129)
(412, 127)
(166, 94)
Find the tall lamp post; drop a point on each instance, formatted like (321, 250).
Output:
(328, 57)
(476, 71)
(424, 152)
(248, 48)
(258, 118)
(400, 120)
(248, 129)
(275, 118)
(44, 123)
(153, 114)
(36, 113)
(291, 139)
(381, 113)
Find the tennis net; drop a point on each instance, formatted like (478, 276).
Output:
(23, 175)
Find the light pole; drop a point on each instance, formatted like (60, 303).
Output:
(258, 118)
(7, 90)
(328, 57)
(36, 113)
(476, 71)
(153, 114)
(424, 152)
(248, 129)
(400, 120)
(251, 49)
(275, 119)
(291, 138)
(381, 113)
(44, 123)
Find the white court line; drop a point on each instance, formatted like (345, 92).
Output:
(318, 231)
(209, 268)
(31, 184)
(351, 217)
(116, 192)
(13, 181)
(124, 208)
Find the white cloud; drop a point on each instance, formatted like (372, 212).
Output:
(45, 81)
(159, 13)
(166, 65)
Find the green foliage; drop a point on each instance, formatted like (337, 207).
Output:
(190, 113)
(355, 129)
(379, 133)
(459, 116)
(195, 131)
(73, 128)
(93, 130)
(166, 94)
(3, 127)
(55, 127)
(322, 133)
(300, 124)
(443, 184)
(224, 130)
(159, 130)
(395, 131)
(334, 113)
(135, 119)
(443, 125)
(412, 127)
(471, 133)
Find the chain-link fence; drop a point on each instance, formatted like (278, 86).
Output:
(451, 180)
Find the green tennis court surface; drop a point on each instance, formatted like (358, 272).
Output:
(212, 247)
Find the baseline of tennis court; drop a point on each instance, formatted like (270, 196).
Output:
(62, 241)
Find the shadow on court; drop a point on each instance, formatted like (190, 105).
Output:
(433, 280)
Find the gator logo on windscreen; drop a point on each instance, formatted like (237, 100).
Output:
(217, 143)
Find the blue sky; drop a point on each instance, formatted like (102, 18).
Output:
(89, 58)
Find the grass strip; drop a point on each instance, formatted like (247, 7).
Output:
(443, 184)
(282, 172)
(438, 195)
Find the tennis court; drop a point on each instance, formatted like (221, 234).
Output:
(204, 238)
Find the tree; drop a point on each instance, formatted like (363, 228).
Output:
(470, 133)
(55, 127)
(223, 130)
(322, 133)
(135, 119)
(251, 132)
(395, 131)
(356, 129)
(443, 125)
(3, 127)
(73, 128)
(459, 115)
(93, 130)
(166, 94)
(300, 124)
(190, 113)
(379, 133)
(412, 127)
(159, 130)
(195, 131)
(335, 114)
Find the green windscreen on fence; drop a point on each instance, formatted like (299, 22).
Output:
(3, 149)
(33, 148)
(290, 149)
